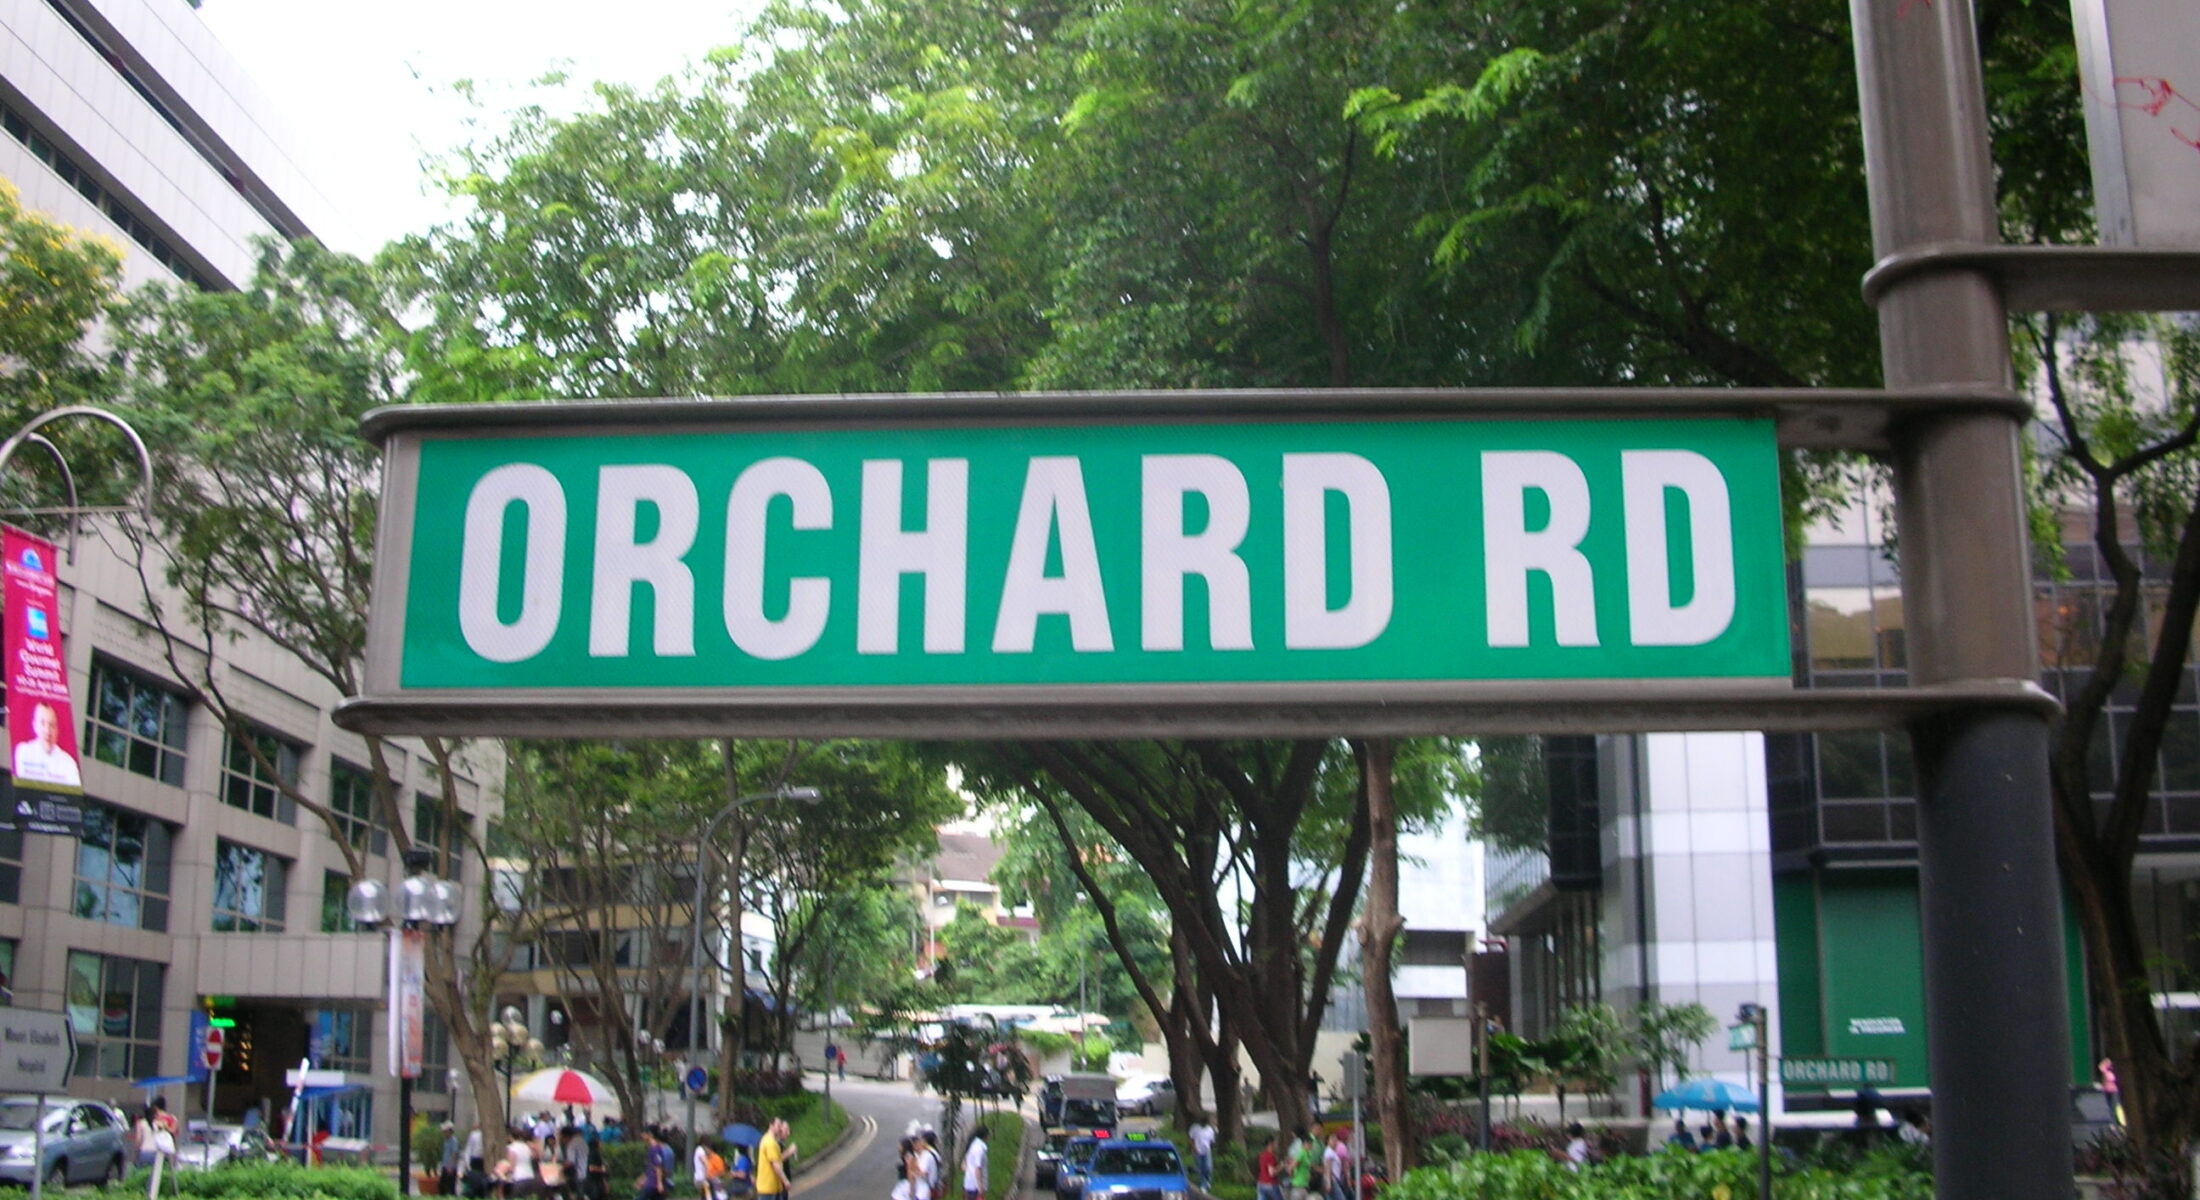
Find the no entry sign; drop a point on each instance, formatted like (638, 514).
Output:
(816, 564)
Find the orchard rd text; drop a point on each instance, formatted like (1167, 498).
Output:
(1150, 553)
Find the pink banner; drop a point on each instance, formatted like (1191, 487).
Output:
(41, 719)
(408, 1001)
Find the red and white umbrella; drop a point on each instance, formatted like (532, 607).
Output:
(563, 1085)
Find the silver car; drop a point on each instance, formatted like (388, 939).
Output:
(84, 1141)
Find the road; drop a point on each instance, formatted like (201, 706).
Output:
(863, 1166)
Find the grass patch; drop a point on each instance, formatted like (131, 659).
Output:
(1004, 1150)
(815, 1128)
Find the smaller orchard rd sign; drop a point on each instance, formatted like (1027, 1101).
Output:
(1067, 553)
(1837, 1072)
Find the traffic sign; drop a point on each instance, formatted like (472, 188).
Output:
(37, 1051)
(1742, 1036)
(606, 558)
(697, 1080)
(210, 1050)
(1836, 1072)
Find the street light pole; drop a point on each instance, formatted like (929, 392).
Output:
(808, 795)
(424, 902)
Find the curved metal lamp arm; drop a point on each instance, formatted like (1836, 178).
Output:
(29, 433)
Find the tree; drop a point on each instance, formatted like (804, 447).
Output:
(878, 803)
(608, 903)
(2119, 457)
(55, 285)
(264, 524)
(1665, 1035)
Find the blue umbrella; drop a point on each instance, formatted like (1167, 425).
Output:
(1707, 1094)
(742, 1135)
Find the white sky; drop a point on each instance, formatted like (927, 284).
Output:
(366, 88)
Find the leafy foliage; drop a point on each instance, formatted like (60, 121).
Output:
(55, 284)
(1539, 1175)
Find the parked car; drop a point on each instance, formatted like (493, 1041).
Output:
(1136, 1168)
(84, 1141)
(213, 1146)
(1147, 1095)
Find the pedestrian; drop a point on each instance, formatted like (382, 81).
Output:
(772, 1153)
(905, 1169)
(521, 1178)
(473, 1152)
(1335, 1167)
(928, 1155)
(446, 1173)
(841, 1062)
(1577, 1146)
(709, 1168)
(974, 1166)
(656, 1176)
(1681, 1139)
(1741, 1132)
(1917, 1128)
(1202, 1137)
(141, 1137)
(1265, 1170)
(1302, 1160)
(1722, 1138)
(2105, 1075)
(1703, 1139)
(594, 1175)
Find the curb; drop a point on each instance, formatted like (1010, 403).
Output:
(806, 1163)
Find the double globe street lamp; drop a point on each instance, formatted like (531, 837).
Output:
(423, 901)
(509, 1038)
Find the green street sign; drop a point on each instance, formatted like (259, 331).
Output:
(911, 562)
(1836, 1072)
(1741, 1037)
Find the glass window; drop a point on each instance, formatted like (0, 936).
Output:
(432, 832)
(122, 869)
(1841, 629)
(335, 909)
(11, 866)
(246, 784)
(7, 972)
(136, 724)
(1850, 766)
(114, 1007)
(248, 889)
(351, 798)
(341, 1039)
(435, 1055)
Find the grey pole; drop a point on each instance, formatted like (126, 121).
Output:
(1998, 1036)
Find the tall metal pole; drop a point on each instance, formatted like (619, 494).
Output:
(1482, 1067)
(695, 925)
(1998, 1031)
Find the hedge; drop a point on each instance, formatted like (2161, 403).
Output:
(1532, 1175)
(272, 1181)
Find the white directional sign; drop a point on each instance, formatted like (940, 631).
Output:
(37, 1051)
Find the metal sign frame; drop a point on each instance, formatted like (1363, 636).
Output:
(1857, 419)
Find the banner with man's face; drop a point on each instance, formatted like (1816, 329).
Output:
(41, 719)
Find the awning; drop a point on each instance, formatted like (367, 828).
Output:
(764, 999)
(161, 1081)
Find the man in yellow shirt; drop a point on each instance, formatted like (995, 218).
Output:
(772, 1154)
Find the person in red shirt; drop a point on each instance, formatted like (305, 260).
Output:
(1266, 1186)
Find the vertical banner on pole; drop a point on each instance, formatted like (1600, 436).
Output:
(41, 719)
(408, 1002)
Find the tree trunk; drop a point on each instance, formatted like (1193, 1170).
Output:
(1380, 925)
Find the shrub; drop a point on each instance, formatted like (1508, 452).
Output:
(273, 1181)
(1537, 1175)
